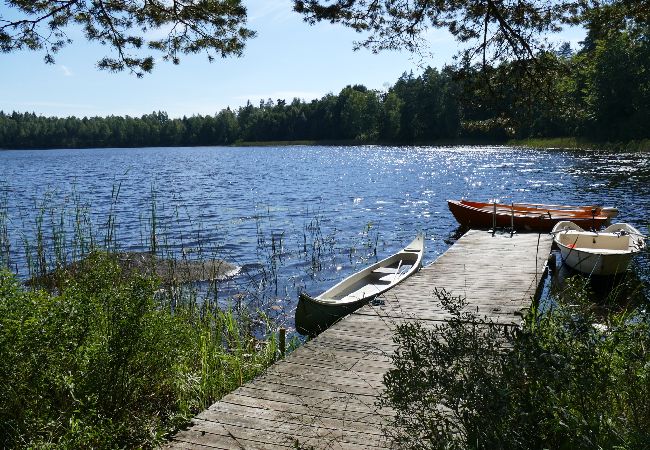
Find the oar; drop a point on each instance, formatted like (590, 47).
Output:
(399, 266)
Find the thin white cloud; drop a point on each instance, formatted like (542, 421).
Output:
(65, 70)
(158, 33)
(275, 11)
(438, 36)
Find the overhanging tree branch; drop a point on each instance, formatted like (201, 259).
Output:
(214, 26)
(399, 24)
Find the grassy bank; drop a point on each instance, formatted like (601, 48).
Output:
(296, 142)
(352, 142)
(106, 349)
(542, 143)
(577, 143)
(110, 361)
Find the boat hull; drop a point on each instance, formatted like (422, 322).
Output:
(537, 219)
(595, 264)
(315, 314)
(605, 253)
(312, 316)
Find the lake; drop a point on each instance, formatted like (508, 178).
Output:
(301, 217)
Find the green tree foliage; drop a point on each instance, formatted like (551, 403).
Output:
(429, 106)
(391, 116)
(191, 26)
(600, 92)
(490, 31)
(359, 113)
(617, 81)
(493, 31)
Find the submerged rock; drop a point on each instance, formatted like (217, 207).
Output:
(169, 270)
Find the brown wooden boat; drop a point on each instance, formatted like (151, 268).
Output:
(528, 216)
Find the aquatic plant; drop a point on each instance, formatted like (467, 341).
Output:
(5, 245)
(108, 362)
(113, 349)
(317, 245)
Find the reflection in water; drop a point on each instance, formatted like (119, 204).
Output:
(608, 294)
(303, 217)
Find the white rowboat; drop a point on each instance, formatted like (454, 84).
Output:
(315, 314)
(598, 253)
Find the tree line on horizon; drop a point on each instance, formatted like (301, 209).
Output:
(599, 92)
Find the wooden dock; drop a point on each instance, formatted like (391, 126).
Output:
(323, 394)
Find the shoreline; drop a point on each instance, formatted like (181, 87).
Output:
(559, 143)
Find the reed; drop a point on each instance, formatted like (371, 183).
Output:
(312, 233)
(108, 357)
(5, 245)
(642, 145)
(110, 238)
(107, 363)
(153, 223)
(124, 354)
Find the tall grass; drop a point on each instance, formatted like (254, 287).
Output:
(107, 362)
(5, 245)
(642, 145)
(96, 355)
(316, 244)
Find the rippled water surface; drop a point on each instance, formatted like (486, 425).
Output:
(314, 213)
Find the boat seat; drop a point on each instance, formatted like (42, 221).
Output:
(386, 270)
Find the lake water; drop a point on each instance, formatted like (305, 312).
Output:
(312, 214)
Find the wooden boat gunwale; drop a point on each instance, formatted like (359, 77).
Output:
(376, 269)
(537, 209)
(486, 215)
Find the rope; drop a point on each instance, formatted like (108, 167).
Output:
(539, 237)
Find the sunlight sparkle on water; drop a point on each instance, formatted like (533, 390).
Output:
(319, 200)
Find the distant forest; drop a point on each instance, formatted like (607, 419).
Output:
(600, 91)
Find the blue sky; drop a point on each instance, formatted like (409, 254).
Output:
(287, 59)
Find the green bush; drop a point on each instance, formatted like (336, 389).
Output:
(560, 381)
(104, 364)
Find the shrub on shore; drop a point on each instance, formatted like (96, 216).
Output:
(107, 363)
(562, 380)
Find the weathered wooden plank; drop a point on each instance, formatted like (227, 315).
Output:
(331, 377)
(217, 436)
(280, 407)
(381, 341)
(272, 420)
(345, 358)
(349, 345)
(333, 398)
(251, 433)
(327, 372)
(324, 393)
(179, 444)
(332, 401)
(358, 366)
(307, 381)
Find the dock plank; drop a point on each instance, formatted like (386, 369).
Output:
(323, 395)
